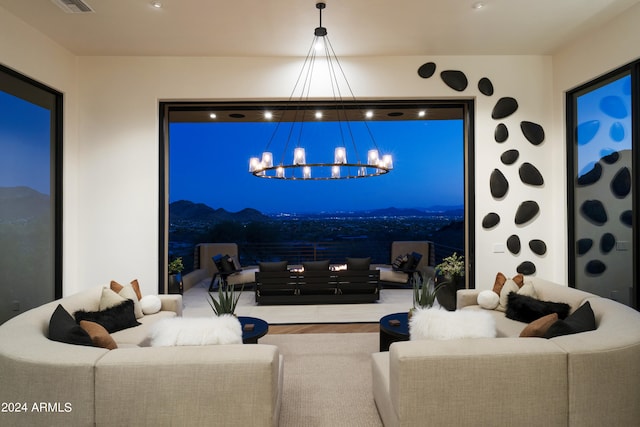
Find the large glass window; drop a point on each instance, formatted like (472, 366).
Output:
(602, 185)
(30, 196)
(212, 197)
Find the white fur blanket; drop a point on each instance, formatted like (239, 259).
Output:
(439, 324)
(225, 329)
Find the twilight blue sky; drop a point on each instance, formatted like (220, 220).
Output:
(25, 144)
(209, 164)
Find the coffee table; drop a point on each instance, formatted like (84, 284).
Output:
(393, 327)
(250, 335)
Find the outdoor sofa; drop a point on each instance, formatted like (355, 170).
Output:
(50, 383)
(583, 379)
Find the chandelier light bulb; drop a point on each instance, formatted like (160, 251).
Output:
(340, 155)
(280, 172)
(306, 172)
(387, 161)
(254, 164)
(372, 157)
(335, 172)
(267, 160)
(299, 157)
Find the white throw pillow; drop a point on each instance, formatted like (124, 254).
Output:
(488, 300)
(128, 292)
(109, 299)
(439, 324)
(150, 304)
(528, 290)
(225, 329)
(509, 286)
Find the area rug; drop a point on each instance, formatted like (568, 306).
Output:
(327, 379)
(391, 301)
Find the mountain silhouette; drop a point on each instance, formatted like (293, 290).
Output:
(22, 203)
(189, 211)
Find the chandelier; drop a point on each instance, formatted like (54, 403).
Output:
(346, 119)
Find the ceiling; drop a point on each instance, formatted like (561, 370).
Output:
(285, 27)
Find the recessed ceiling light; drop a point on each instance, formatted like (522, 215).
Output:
(318, 114)
(213, 115)
(478, 5)
(369, 114)
(156, 4)
(268, 115)
(421, 113)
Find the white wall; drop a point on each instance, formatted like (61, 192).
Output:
(111, 138)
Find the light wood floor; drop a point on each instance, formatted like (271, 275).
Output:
(324, 328)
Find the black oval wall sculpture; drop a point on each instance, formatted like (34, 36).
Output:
(455, 79)
(594, 211)
(509, 157)
(538, 247)
(490, 220)
(504, 108)
(526, 212)
(595, 267)
(591, 177)
(626, 218)
(498, 184)
(529, 174)
(501, 133)
(611, 158)
(527, 268)
(485, 86)
(426, 70)
(621, 183)
(607, 243)
(583, 246)
(513, 244)
(533, 132)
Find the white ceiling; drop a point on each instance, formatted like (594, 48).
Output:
(285, 27)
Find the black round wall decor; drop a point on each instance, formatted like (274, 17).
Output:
(538, 247)
(509, 157)
(595, 267)
(611, 158)
(583, 245)
(626, 218)
(621, 183)
(527, 268)
(607, 242)
(501, 133)
(513, 244)
(485, 86)
(490, 220)
(426, 70)
(533, 132)
(594, 211)
(529, 174)
(591, 177)
(526, 212)
(498, 184)
(504, 108)
(455, 79)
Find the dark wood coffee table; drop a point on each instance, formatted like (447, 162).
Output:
(393, 327)
(250, 335)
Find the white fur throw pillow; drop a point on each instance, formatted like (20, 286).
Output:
(488, 299)
(225, 329)
(150, 304)
(438, 324)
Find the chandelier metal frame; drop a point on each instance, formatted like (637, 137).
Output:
(340, 168)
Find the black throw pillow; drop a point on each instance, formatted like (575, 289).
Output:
(113, 319)
(64, 329)
(316, 265)
(524, 308)
(399, 261)
(581, 320)
(358, 263)
(273, 266)
(224, 263)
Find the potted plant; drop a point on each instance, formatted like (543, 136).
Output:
(227, 299)
(175, 275)
(424, 294)
(450, 274)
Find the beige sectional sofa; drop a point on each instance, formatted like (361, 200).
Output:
(585, 379)
(50, 383)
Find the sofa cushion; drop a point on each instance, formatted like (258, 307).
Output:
(316, 265)
(117, 287)
(109, 298)
(499, 283)
(99, 335)
(225, 329)
(358, 263)
(127, 292)
(272, 266)
(488, 300)
(437, 324)
(581, 320)
(113, 319)
(64, 329)
(524, 308)
(539, 327)
(150, 304)
(509, 286)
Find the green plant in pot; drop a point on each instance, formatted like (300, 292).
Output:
(450, 274)
(424, 294)
(175, 275)
(227, 299)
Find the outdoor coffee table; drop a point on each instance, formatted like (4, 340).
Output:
(393, 327)
(251, 334)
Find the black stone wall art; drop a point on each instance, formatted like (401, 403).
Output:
(485, 86)
(533, 132)
(527, 268)
(614, 106)
(490, 220)
(586, 131)
(590, 177)
(611, 158)
(594, 212)
(513, 244)
(595, 267)
(583, 245)
(504, 108)
(501, 133)
(538, 247)
(426, 70)
(607, 243)
(621, 183)
(529, 174)
(455, 79)
(626, 218)
(526, 212)
(509, 157)
(498, 184)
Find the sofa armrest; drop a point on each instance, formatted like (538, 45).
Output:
(171, 302)
(194, 277)
(466, 297)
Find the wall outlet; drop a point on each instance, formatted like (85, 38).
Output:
(623, 245)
